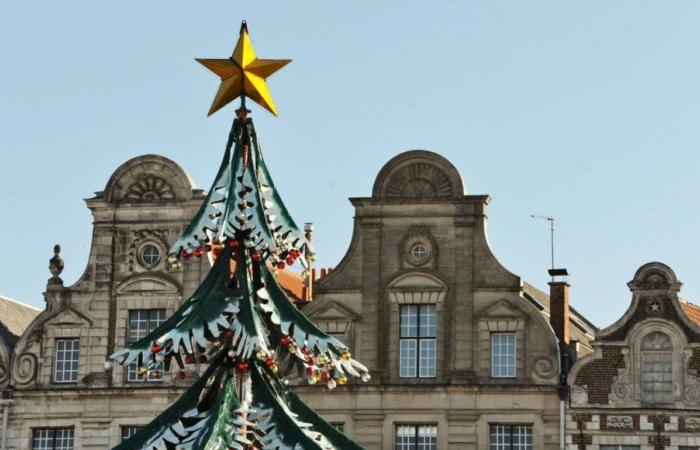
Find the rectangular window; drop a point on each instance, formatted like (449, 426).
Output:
(142, 322)
(416, 437)
(503, 355)
(67, 359)
(128, 431)
(510, 437)
(338, 426)
(52, 439)
(417, 341)
(338, 336)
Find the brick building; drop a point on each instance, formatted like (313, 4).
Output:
(640, 388)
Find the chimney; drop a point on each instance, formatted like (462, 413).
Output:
(310, 272)
(559, 304)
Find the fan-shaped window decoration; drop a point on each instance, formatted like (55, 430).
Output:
(657, 368)
(150, 189)
(419, 181)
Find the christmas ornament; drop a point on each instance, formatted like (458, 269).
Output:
(243, 74)
(229, 323)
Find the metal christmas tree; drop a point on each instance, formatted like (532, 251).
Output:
(239, 320)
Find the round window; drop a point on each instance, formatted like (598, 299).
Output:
(150, 255)
(419, 252)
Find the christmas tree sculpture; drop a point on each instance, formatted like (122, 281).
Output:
(239, 321)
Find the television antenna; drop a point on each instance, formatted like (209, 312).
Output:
(549, 223)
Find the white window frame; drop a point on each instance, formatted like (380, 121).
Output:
(129, 430)
(61, 375)
(419, 433)
(147, 258)
(418, 346)
(501, 431)
(49, 438)
(134, 336)
(504, 365)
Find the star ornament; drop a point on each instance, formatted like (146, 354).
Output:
(243, 74)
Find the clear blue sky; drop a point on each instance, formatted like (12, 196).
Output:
(584, 110)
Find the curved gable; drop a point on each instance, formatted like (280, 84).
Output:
(418, 175)
(149, 179)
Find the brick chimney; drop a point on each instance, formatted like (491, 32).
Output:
(559, 304)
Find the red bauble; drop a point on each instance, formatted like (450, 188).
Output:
(197, 252)
(255, 256)
(207, 248)
(203, 359)
(325, 376)
(242, 366)
(181, 375)
(156, 347)
(216, 251)
(185, 254)
(309, 371)
(232, 243)
(305, 350)
(290, 260)
(215, 241)
(285, 340)
(228, 334)
(189, 359)
(280, 265)
(270, 362)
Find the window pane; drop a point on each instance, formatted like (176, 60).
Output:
(338, 426)
(409, 321)
(405, 437)
(427, 437)
(522, 437)
(64, 439)
(428, 321)
(67, 359)
(142, 322)
(339, 336)
(42, 439)
(128, 431)
(500, 437)
(657, 376)
(503, 354)
(416, 437)
(428, 354)
(407, 358)
(52, 439)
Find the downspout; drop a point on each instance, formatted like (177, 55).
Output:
(5, 422)
(562, 425)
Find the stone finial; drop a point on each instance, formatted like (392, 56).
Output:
(56, 266)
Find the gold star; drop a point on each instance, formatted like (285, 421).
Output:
(243, 74)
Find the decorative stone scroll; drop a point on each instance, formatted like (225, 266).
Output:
(620, 422)
(25, 369)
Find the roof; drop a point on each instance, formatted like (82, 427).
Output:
(292, 283)
(691, 310)
(541, 300)
(16, 316)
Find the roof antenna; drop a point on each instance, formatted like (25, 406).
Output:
(549, 223)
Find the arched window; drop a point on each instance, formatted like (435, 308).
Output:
(657, 368)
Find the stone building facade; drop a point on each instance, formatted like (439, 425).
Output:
(461, 350)
(486, 370)
(640, 388)
(62, 395)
